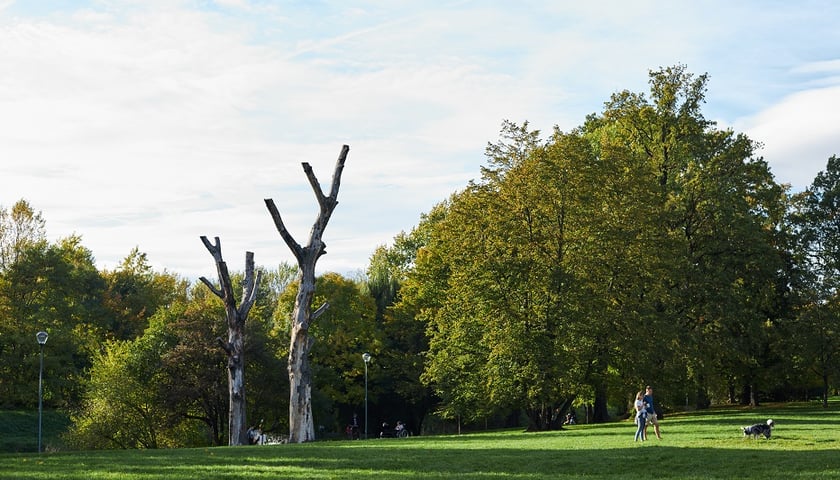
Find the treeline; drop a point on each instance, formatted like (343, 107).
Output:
(134, 355)
(645, 246)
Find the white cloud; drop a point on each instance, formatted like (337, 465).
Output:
(799, 134)
(151, 123)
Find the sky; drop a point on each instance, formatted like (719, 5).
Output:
(149, 123)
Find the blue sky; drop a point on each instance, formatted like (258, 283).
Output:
(150, 123)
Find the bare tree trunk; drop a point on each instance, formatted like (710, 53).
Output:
(301, 424)
(234, 347)
(825, 390)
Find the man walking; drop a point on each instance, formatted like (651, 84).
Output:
(651, 412)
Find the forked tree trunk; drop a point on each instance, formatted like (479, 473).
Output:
(301, 424)
(234, 347)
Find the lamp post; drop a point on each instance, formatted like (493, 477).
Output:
(366, 358)
(42, 339)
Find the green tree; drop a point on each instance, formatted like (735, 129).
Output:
(55, 288)
(268, 350)
(401, 394)
(134, 292)
(19, 227)
(643, 247)
(192, 383)
(718, 212)
(815, 333)
(168, 388)
(120, 408)
(499, 315)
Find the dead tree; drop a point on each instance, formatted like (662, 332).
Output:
(234, 347)
(301, 425)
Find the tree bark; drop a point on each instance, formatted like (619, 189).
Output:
(600, 413)
(301, 424)
(825, 390)
(234, 347)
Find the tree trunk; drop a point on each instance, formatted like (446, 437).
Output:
(702, 400)
(301, 424)
(235, 345)
(825, 390)
(237, 417)
(600, 413)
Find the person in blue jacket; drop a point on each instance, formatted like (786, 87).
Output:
(651, 412)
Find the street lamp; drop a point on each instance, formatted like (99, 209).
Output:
(42, 339)
(366, 358)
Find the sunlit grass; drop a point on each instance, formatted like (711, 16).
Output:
(703, 445)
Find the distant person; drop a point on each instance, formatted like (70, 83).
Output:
(641, 417)
(353, 428)
(652, 417)
(254, 435)
(399, 430)
(571, 418)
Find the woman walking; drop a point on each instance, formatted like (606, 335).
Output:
(641, 417)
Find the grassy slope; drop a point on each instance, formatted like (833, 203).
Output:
(702, 445)
(20, 430)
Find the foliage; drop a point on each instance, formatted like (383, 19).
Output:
(119, 409)
(815, 333)
(172, 383)
(55, 288)
(644, 244)
(20, 227)
(134, 292)
(399, 392)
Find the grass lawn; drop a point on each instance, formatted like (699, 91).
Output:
(699, 445)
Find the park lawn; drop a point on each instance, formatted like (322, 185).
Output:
(20, 430)
(699, 445)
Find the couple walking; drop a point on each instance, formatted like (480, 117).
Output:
(645, 414)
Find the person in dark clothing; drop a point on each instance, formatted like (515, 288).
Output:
(651, 412)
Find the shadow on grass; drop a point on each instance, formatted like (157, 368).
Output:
(370, 461)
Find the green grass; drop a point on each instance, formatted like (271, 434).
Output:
(701, 445)
(20, 430)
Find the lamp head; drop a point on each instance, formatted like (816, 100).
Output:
(366, 357)
(41, 337)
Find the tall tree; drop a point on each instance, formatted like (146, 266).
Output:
(639, 247)
(55, 288)
(344, 331)
(191, 386)
(500, 289)
(301, 425)
(717, 207)
(19, 226)
(815, 332)
(400, 390)
(234, 346)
